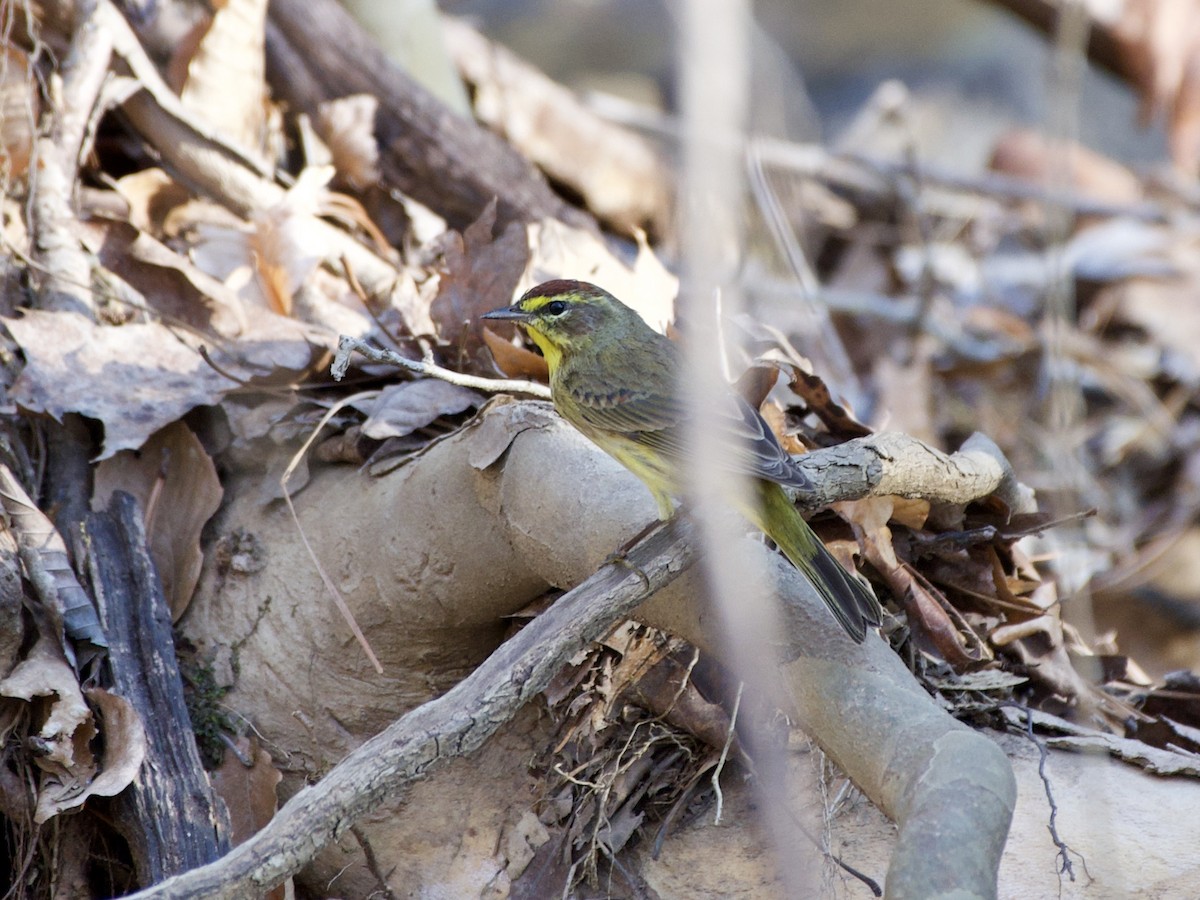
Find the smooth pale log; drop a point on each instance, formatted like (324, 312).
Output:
(434, 556)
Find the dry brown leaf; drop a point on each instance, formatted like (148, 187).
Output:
(347, 125)
(134, 379)
(1160, 44)
(400, 409)
(45, 672)
(45, 562)
(912, 513)
(495, 432)
(248, 791)
(226, 76)
(172, 286)
(776, 418)
(152, 195)
(267, 259)
(1040, 645)
(931, 625)
(754, 385)
(124, 744)
(62, 728)
(18, 112)
(176, 485)
(479, 272)
(1165, 309)
(816, 395)
(515, 361)
(1025, 153)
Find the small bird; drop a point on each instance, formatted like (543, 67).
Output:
(615, 379)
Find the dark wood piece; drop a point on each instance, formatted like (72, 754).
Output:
(317, 52)
(1103, 48)
(170, 816)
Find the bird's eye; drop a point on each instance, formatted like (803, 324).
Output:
(556, 307)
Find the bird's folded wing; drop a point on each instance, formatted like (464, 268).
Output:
(654, 420)
(759, 452)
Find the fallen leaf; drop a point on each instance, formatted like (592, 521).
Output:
(248, 791)
(152, 195)
(61, 730)
(134, 379)
(267, 259)
(816, 395)
(928, 618)
(401, 409)
(138, 378)
(1028, 154)
(19, 102)
(124, 744)
(176, 485)
(755, 384)
(479, 272)
(347, 125)
(172, 286)
(45, 672)
(226, 76)
(515, 361)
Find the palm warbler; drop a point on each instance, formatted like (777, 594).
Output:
(614, 378)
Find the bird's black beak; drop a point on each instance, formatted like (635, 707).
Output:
(508, 314)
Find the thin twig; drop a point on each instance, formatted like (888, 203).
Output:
(348, 344)
(716, 775)
(1064, 850)
(338, 600)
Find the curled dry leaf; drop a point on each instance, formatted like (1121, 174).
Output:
(134, 379)
(347, 126)
(479, 271)
(45, 562)
(928, 618)
(267, 259)
(401, 409)
(814, 391)
(513, 360)
(176, 485)
(226, 76)
(45, 672)
(124, 751)
(18, 111)
(61, 729)
(248, 790)
(754, 385)
(124, 743)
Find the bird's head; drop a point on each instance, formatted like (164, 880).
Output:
(562, 316)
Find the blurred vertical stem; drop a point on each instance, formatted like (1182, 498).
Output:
(1064, 400)
(714, 78)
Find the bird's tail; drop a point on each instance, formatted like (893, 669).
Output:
(850, 601)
